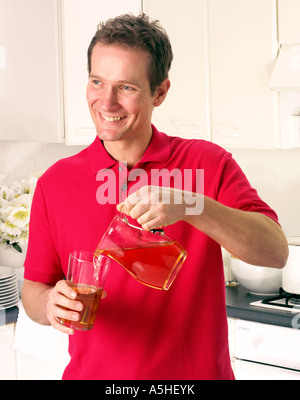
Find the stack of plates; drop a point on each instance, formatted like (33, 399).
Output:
(9, 292)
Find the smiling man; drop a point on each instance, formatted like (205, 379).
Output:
(141, 332)
(120, 99)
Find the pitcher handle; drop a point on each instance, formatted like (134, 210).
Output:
(157, 230)
(123, 215)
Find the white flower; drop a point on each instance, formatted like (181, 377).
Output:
(18, 216)
(9, 230)
(15, 204)
(7, 193)
(24, 237)
(24, 200)
(28, 187)
(3, 203)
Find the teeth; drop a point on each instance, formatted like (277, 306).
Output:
(112, 119)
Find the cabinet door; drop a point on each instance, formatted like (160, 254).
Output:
(79, 24)
(185, 111)
(7, 353)
(30, 87)
(243, 46)
(288, 21)
(32, 368)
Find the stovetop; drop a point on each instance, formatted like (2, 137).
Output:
(284, 301)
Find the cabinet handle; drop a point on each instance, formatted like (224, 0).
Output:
(226, 130)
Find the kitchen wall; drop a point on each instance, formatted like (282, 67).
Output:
(276, 176)
(18, 160)
(274, 173)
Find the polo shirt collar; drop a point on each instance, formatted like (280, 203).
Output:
(157, 151)
(98, 157)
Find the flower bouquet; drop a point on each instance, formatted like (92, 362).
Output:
(15, 204)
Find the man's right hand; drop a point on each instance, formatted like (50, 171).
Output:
(44, 304)
(62, 304)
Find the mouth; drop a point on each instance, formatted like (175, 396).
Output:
(111, 118)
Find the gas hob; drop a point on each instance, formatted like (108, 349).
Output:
(284, 301)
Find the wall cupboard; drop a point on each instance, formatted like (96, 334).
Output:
(234, 45)
(43, 67)
(224, 56)
(31, 95)
(79, 23)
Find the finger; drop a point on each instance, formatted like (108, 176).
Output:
(141, 196)
(64, 288)
(154, 223)
(120, 207)
(125, 207)
(142, 212)
(62, 302)
(144, 215)
(60, 327)
(57, 314)
(57, 323)
(62, 305)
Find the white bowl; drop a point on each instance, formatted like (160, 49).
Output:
(257, 280)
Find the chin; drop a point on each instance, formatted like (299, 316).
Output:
(108, 135)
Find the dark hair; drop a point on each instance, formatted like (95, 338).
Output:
(141, 33)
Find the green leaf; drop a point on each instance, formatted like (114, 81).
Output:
(17, 247)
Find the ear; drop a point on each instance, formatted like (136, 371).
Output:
(161, 92)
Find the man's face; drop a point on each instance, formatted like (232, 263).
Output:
(118, 93)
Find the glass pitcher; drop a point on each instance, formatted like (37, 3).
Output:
(149, 256)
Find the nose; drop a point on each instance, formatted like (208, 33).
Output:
(109, 100)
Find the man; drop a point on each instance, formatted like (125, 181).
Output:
(140, 332)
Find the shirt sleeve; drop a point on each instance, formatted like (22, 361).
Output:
(234, 190)
(42, 262)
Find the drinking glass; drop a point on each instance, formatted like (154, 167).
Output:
(86, 276)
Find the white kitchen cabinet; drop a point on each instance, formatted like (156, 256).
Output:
(243, 46)
(185, 111)
(43, 67)
(288, 21)
(247, 371)
(33, 368)
(16, 365)
(261, 351)
(7, 353)
(231, 335)
(286, 74)
(30, 74)
(224, 56)
(80, 19)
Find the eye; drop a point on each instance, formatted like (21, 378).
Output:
(126, 88)
(96, 83)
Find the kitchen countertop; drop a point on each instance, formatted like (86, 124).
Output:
(238, 301)
(238, 306)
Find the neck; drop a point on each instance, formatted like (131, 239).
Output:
(131, 152)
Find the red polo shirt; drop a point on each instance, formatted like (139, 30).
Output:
(140, 332)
